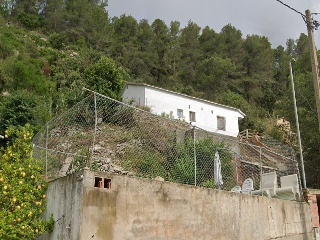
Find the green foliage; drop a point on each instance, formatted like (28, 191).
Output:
(213, 71)
(58, 40)
(259, 55)
(87, 48)
(167, 115)
(183, 169)
(232, 99)
(22, 186)
(21, 108)
(148, 164)
(30, 21)
(184, 159)
(209, 184)
(176, 162)
(29, 76)
(79, 163)
(50, 224)
(6, 47)
(106, 77)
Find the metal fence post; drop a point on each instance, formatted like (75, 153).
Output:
(260, 159)
(46, 167)
(260, 156)
(195, 156)
(95, 127)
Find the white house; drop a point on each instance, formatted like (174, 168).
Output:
(204, 114)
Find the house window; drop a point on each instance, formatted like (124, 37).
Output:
(221, 123)
(192, 116)
(180, 113)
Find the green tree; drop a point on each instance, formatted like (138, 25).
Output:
(189, 43)
(124, 40)
(259, 61)
(290, 47)
(106, 77)
(174, 52)
(22, 187)
(259, 55)
(81, 20)
(26, 12)
(54, 13)
(213, 75)
(230, 45)
(144, 58)
(208, 42)
(183, 161)
(20, 108)
(161, 46)
(6, 8)
(232, 99)
(302, 51)
(281, 71)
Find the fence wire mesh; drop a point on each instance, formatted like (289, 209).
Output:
(110, 136)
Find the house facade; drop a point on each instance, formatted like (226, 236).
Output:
(198, 112)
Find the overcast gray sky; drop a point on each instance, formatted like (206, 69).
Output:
(262, 17)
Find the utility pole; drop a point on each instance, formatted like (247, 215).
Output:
(297, 124)
(314, 62)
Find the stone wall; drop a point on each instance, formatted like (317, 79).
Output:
(123, 207)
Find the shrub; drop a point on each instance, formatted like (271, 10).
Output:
(22, 186)
(183, 166)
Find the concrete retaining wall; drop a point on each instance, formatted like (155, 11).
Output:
(148, 209)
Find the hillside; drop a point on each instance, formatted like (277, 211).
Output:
(47, 55)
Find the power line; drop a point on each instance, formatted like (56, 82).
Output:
(315, 23)
(302, 15)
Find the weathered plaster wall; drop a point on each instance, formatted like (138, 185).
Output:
(147, 209)
(65, 203)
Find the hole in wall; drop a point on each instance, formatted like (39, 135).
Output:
(107, 183)
(98, 182)
(102, 182)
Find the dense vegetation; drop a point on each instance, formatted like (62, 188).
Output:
(22, 196)
(50, 50)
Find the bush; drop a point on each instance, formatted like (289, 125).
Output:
(30, 21)
(183, 166)
(21, 108)
(22, 186)
(106, 78)
(58, 40)
(145, 164)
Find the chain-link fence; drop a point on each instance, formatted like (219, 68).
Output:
(110, 136)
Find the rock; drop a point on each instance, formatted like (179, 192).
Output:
(158, 178)
(117, 169)
(97, 147)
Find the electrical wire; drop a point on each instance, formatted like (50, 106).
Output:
(315, 23)
(303, 16)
